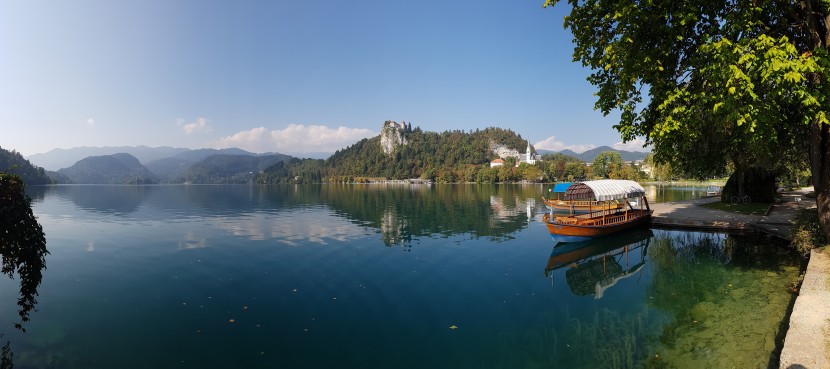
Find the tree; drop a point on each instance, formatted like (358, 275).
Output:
(607, 164)
(710, 82)
(574, 171)
(659, 171)
(530, 173)
(22, 242)
(557, 163)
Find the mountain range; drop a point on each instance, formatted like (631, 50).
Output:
(63, 158)
(120, 168)
(589, 155)
(158, 159)
(427, 154)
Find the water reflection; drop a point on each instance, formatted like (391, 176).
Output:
(112, 200)
(404, 213)
(186, 269)
(399, 213)
(670, 192)
(596, 265)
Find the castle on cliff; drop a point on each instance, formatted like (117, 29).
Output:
(403, 125)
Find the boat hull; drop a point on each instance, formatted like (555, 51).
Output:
(565, 232)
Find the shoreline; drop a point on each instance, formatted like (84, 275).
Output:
(806, 343)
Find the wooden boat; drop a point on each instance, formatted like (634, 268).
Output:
(556, 201)
(604, 221)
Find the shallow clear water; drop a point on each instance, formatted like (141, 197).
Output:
(381, 276)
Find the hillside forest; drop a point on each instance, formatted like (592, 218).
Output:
(445, 157)
(448, 157)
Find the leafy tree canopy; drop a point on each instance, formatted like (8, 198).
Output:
(22, 242)
(710, 82)
(704, 81)
(607, 163)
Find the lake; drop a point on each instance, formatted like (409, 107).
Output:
(382, 276)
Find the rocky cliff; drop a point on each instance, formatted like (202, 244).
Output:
(503, 151)
(392, 136)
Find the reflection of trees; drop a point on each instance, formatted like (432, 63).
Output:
(105, 199)
(402, 212)
(399, 212)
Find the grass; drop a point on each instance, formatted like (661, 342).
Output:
(751, 208)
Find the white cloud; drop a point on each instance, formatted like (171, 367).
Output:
(633, 145)
(90, 122)
(296, 138)
(552, 144)
(198, 125)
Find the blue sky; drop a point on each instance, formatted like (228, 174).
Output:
(287, 76)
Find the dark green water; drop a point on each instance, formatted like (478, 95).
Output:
(366, 276)
(669, 193)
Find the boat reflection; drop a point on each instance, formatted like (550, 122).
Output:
(598, 264)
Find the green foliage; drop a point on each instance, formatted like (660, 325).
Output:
(22, 242)
(447, 157)
(559, 166)
(607, 165)
(109, 169)
(13, 162)
(659, 171)
(731, 81)
(806, 232)
(293, 171)
(230, 169)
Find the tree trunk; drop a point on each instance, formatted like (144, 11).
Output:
(820, 165)
(741, 178)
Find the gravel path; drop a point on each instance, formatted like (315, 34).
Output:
(690, 214)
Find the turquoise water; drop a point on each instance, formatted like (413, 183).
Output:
(367, 276)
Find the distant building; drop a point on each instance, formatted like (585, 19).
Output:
(528, 156)
(496, 163)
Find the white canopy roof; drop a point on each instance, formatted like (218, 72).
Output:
(604, 190)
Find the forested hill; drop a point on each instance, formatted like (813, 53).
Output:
(119, 168)
(226, 169)
(13, 162)
(401, 152)
(424, 153)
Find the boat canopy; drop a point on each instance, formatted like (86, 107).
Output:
(561, 187)
(604, 190)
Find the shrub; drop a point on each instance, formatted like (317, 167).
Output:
(806, 232)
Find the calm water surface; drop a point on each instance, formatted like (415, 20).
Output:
(362, 276)
(672, 192)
